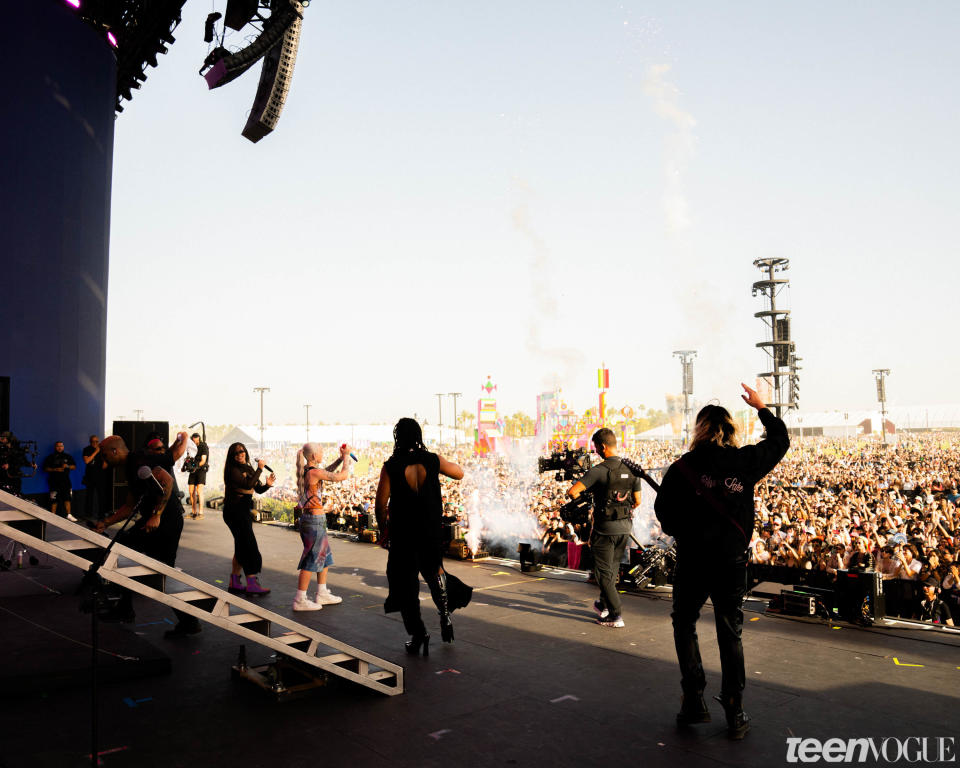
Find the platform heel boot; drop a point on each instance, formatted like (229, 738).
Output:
(446, 623)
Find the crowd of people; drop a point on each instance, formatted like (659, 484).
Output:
(830, 505)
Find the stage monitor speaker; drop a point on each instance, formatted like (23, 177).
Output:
(860, 598)
(275, 77)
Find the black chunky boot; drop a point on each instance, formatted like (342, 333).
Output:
(693, 709)
(738, 721)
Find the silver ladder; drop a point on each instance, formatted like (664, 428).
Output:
(28, 524)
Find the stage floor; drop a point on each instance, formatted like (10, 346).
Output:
(531, 680)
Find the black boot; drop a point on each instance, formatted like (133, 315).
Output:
(693, 709)
(443, 602)
(414, 644)
(738, 721)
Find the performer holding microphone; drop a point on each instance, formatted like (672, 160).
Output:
(317, 556)
(240, 481)
(706, 503)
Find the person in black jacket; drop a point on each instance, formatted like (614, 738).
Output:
(706, 503)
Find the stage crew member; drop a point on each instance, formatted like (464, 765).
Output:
(706, 503)
(156, 532)
(616, 491)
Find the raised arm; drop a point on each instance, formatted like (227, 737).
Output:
(451, 470)
(179, 446)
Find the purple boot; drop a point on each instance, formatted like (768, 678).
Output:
(236, 583)
(254, 588)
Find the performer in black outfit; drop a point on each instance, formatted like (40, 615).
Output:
(240, 481)
(198, 478)
(616, 491)
(157, 531)
(706, 503)
(411, 528)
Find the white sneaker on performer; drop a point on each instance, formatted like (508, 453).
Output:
(71, 518)
(326, 597)
(305, 605)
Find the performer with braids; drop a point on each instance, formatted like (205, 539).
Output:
(412, 531)
(240, 481)
(317, 557)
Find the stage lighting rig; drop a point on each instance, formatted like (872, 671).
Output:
(138, 31)
(276, 43)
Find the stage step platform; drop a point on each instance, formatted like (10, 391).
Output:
(31, 525)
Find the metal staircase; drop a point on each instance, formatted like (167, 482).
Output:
(29, 524)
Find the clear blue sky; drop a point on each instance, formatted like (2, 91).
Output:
(528, 189)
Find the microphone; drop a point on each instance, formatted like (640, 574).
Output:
(144, 472)
(266, 467)
(352, 454)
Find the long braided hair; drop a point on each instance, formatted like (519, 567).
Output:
(305, 455)
(407, 436)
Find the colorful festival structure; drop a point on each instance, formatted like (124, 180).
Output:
(490, 427)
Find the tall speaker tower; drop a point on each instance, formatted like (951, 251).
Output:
(777, 342)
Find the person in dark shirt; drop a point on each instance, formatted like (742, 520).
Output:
(241, 481)
(58, 466)
(92, 479)
(198, 477)
(156, 532)
(616, 492)
(706, 503)
(932, 608)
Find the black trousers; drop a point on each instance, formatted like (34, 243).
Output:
(236, 515)
(404, 565)
(161, 544)
(607, 554)
(724, 581)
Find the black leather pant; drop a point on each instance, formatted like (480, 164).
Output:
(404, 566)
(724, 580)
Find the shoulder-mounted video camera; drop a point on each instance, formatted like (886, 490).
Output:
(569, 464)
(190, 464)
(19, 456)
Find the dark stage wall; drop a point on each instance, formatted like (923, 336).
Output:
(59, 80)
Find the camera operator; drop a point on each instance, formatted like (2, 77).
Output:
(616, 491)
(13, 458)
(157, 531)
(198, 477)
(706, 503)
(58, 466)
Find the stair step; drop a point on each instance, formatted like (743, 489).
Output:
(292, 639)
(381, 674)
(338, 658)
(76, 545)
(192, 596)
(254, 622)
(8, 515)
(132, 571)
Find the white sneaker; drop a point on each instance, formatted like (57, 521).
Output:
(326, 597)
(306, 605)
(71, 518)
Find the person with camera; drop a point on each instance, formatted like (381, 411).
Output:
(198, 476)
(616, 492)
(156, 532)
(58, 466)
(15, 456)
(706, 503)
(932, 608)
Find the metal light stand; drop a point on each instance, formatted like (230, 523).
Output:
(91, 586)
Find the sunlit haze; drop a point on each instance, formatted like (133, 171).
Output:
(526, 191)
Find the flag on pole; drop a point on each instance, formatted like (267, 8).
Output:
(603, 378)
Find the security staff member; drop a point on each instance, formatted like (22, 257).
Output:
(616, 491)
(706, 503)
